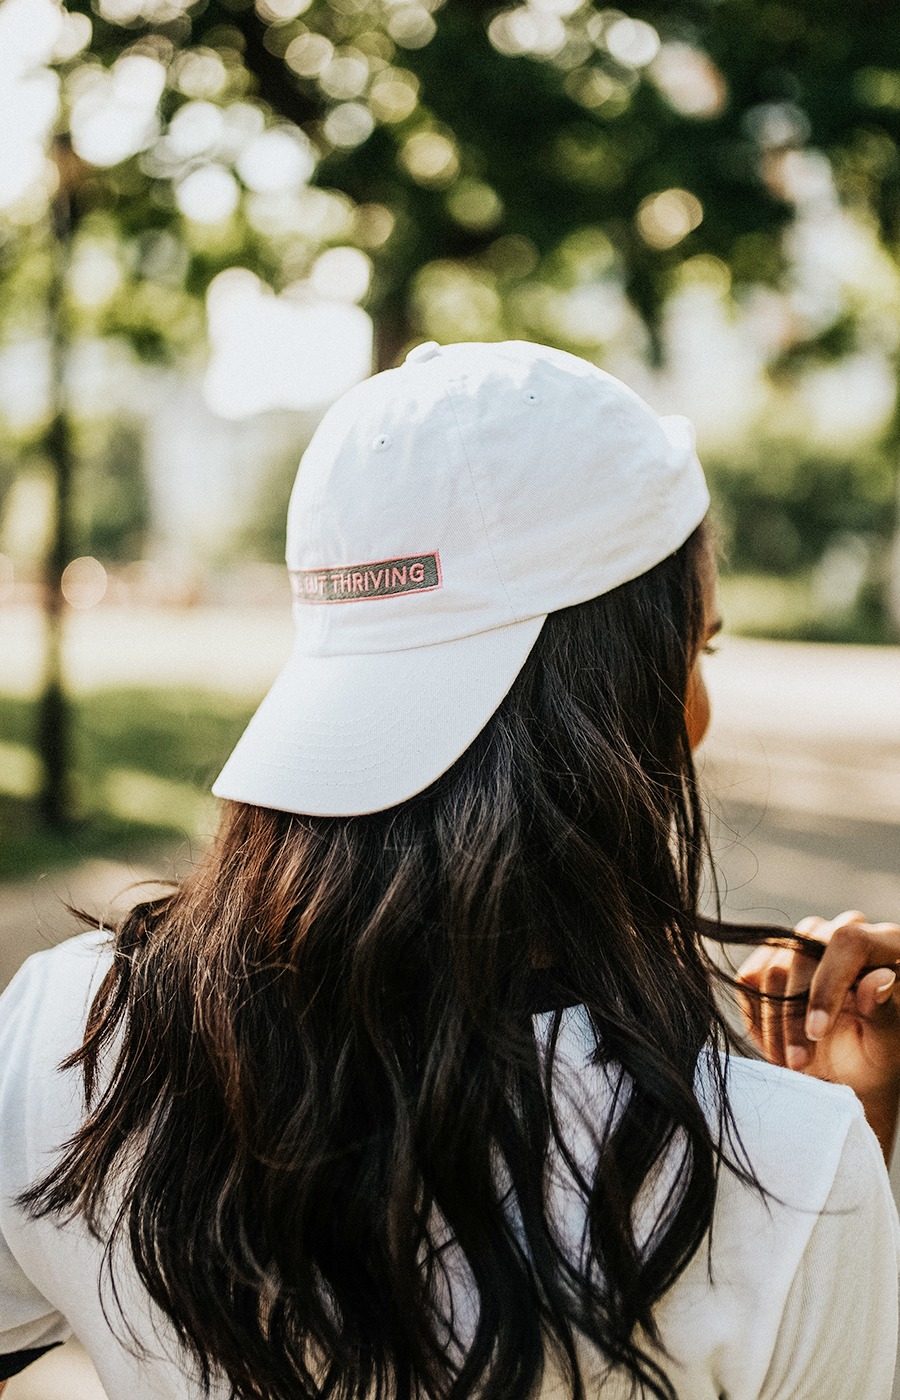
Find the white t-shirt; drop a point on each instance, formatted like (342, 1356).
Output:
(801, 1304)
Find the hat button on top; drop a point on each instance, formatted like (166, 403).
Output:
(423, 352)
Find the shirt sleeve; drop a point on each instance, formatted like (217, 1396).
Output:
(29, 1324)
(838, 1334)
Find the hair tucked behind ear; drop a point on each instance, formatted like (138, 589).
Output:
(313, 1079)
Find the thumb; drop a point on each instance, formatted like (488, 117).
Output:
(875, 990)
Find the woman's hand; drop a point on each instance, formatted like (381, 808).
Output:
(847, 1032)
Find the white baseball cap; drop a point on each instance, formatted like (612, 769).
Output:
(441, 511)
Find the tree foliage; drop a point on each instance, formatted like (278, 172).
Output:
(470, 122)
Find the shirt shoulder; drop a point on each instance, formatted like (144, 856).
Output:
(43, 1013)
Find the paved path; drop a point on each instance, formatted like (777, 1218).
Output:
(803, 770)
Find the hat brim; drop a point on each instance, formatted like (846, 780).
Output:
(346, 735)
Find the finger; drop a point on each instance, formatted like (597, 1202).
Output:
(750, 1002)
(773, 985)
(875, 991)
(848, 942)
(797, 1049)
(750, 1008)
(753, 967)
(811, 924)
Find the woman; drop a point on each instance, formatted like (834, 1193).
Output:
(418, 1086)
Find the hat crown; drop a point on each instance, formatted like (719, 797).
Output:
(522, 479)
(440, 512)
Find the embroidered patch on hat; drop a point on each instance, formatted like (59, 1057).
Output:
(354, 583)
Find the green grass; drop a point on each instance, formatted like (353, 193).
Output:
(143, 762)
(786, 609)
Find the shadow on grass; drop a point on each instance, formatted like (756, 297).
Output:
(143, 762)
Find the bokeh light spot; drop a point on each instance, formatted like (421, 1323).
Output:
(199, 73)
(341, 274)
(95, 274)
(84, 582)
(689, 80)
(349, 124)
(346, 75)
(373, 225)
(309, 54)
(878, 87)
(430, 158)
(527, 30)
(277, 160)
(74, 36)
(195, 127)
(666, 218)
(474, 205)
(7, 578)
(632, 41)
(563, 8)
(394, 95)
(208, 195)
(595, 88)
(411, 26)
(281, 11)
(513, 255)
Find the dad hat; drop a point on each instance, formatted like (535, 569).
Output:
(440, 512)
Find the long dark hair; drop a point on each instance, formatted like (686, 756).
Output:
(312, 1074)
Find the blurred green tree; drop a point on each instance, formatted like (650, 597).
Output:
(100, 243)
(468, 121)
(513, 167)
(509, 168)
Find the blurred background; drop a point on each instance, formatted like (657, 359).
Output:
(217, 216)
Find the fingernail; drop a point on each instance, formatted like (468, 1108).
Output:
(882, 993)
(816, 1025)
(796, 1056)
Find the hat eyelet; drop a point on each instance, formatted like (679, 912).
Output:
(530, 396)
(382, 442)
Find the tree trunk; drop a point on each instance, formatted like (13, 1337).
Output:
(53, 734)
